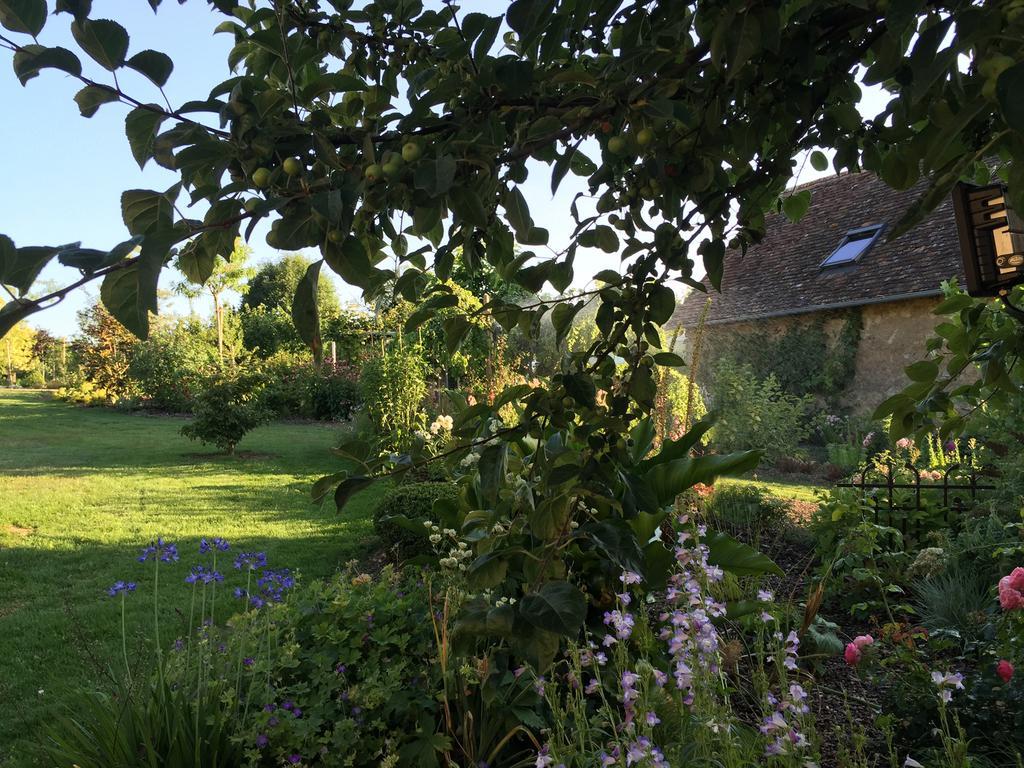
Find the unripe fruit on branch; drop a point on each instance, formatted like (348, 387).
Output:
(261, 177)
(411, 151)
(292, 166)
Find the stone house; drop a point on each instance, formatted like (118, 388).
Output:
(834, 264)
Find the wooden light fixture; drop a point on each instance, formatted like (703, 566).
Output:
(991, 239)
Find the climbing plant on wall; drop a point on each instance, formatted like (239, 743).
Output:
(804, 357)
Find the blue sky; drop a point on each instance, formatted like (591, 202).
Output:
(64, 173)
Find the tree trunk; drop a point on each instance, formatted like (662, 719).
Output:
(218, 313)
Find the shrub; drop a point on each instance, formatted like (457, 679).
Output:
(756, 413)
(171, 366)
(412, 503)
(34, 378)
(954, 602)
(226, 409)
(331, 395)
(298, 388)
(393, 386)
(746, 507)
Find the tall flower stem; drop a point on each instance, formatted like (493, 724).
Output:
(124, 644)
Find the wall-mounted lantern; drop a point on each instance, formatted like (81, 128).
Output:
(991, 241)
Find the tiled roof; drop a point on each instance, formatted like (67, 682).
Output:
(782, 275)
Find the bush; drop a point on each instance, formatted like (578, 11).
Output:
(756, 413)
(171, 366)
(954, 601)
(226, 409)
(414, 503)
(393, 386)
(299, 389)
(34, 378)
(746, 507)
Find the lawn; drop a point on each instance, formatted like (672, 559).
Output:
(81, 491)
(784, 489)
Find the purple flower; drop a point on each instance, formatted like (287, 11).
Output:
(248, 661)
(165, 551)
(121, 586)
(297, 712)
(262, 740)
(205, 575)
(294, 759)
(251, 560)
(218, 543)
(288, 705)
(272, 722)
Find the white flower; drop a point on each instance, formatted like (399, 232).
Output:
(911, 763)
(435, 538)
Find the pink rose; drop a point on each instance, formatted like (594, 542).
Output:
(1011, 590)
(1005, 670)
(904, 442)
(852, 654)
(863, 640)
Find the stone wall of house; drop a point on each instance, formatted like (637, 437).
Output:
(892, 338)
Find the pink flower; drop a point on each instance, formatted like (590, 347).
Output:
(1011, 590)
(1005, 670)
(904, 442)
(852, 654)
(861, 641)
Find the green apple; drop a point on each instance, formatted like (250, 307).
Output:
(261, 177)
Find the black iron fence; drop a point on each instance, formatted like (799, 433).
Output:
(899, 498)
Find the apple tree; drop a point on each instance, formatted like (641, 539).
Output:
(390, 135)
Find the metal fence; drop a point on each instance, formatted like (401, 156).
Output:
(895, 501)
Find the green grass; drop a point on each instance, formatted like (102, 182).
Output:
(782, 489)
(81, 490)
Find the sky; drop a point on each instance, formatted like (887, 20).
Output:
(64, 173)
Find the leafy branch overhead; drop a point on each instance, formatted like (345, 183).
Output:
(392, 137)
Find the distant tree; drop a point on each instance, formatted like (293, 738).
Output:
(18, 351)
(230, 274)
(274, 285)
(105, 349)
(267, 305)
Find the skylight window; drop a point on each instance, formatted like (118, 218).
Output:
(853, 246)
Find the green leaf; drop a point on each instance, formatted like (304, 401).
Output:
(456, 329)
(154, 65)
(661, 304)
(145, 211)
(348, 488)
(141, 126)
(796, 204)
(713, 252)
(80, 9)
(617, 540)
(435, 177)
(738, 558)
(92, 97)
(819, 161)
(677, 449)
(13, 312)
(669, 360)
(32, 58)
(466, 203)
(121, 295)
(19, 267)
(923, 370)
(488, 570)
(26, 16)
(493, 460)
(558, 607)
(104, 40)
(1010, 94)
(561, 319)
(517, 210)
(304, 308)
(196, 262)
(671, 478)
